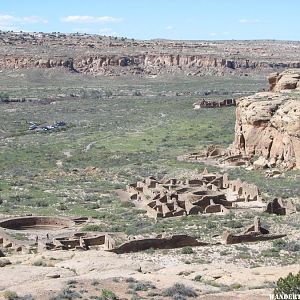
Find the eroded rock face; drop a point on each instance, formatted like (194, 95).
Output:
(268, 124)
(287, 80)
(11, 62)
(155, 63)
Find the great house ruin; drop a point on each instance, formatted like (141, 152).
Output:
(206, 193)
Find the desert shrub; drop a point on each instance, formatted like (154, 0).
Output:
(287, 285)
(178, 291)
(210, 225)
(4, 97)
(95, 282)
(291, 246)
(10, 295)
(198, 278)
(26, 297)
(107, 295)
(67, 294)
(272, 252)
(127, 204)
(39, 263)
(108, 93)
(150, 251)
(20, 236)
(130, 279)
(137, 93)
(72, 281)
(62, 206)
(141, 286)
(187, 250)
(233, 224)
(92, 227)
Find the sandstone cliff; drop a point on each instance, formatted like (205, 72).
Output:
(268, 124)
(154, 63)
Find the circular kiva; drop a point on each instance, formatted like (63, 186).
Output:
(36, 223)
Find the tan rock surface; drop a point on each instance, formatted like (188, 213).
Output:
(268, 123)
(163, 270)
(287, 80)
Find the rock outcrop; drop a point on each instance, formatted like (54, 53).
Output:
(287, 80)
(12, 62)
(268, 124)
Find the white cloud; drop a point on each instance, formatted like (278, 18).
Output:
(170, 27)
(90, 19)
(249, 21)
(34, 20)
(213, 34)
(9, 20)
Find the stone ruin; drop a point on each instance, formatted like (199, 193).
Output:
(279, 207)
(214, 104)
(72, 238)
(253, 233)
(52, 234)
(207, 193)
(36, 222)
(79, 241)
(171, 242)
(36, 230)
(219, 156)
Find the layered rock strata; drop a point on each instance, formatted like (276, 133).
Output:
(268, 124)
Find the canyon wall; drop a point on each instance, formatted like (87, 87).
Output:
(268, 124)
(140, 63)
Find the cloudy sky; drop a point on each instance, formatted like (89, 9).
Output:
(149, 19)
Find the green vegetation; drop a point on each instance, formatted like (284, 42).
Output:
(179, 291)
(92, 227)
(187, 250)
(10, 295)
(140, 286)
(287, 285)
(124, 136)
(107, 295)
(198, 278)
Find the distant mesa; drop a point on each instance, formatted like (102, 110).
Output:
(112, 56)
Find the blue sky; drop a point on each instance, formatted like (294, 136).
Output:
(148, 19)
